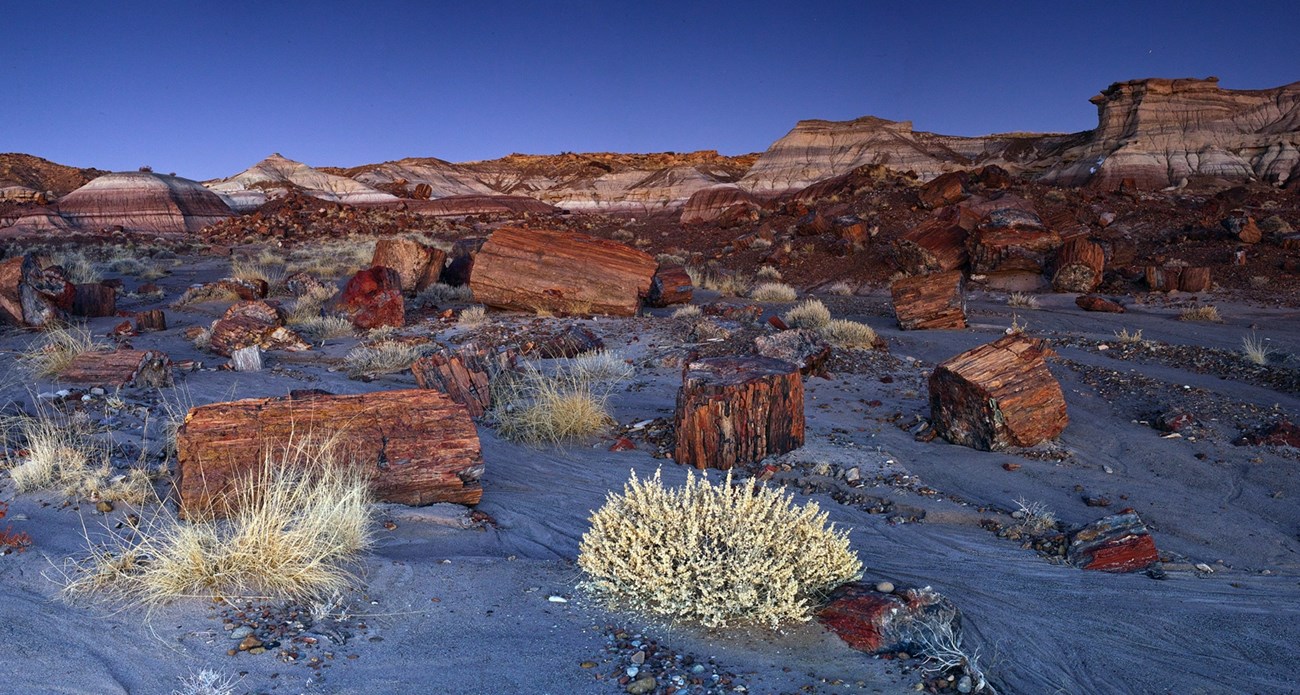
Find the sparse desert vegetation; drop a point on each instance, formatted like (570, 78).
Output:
(810, 314)
(1208, 313)
(773, 292)
(384, 357)
(848, 334)
(57, 348)
(1023, 300)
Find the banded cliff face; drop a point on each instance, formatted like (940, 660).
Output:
(278, 175)
(143, 202)
(1158, 132)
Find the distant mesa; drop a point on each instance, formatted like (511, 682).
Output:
(277, 176)
(143, 201)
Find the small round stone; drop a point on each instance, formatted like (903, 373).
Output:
(885, 587)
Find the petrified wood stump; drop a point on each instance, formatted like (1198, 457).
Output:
(1163, 279)
(418, 446)
(94, 300)
(417, 265)
(560, 272)
(1194, 279)
(1078, 266)
(465, 375)
(150, 320)
(997, 395)
(373, 298)
(936, 245)
(930, 301)
(670, 285)
(734, 410)
(120, 368)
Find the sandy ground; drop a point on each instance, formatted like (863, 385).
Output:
(446, 609)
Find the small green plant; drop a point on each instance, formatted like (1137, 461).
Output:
(714, 554)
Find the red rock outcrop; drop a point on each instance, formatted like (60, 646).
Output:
(717, 202)
(140, 201)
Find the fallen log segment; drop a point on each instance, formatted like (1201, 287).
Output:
(1116, 543)
(417, 265)
(936, 245)
(735, 410)
(417, 446)
(119, 369)
(1011, 240)
(936, 301)
(32, 296)
(998, 395)
(94, 300)
(465, 375)
(150, 320)
(670, 285)
(253, 323)
(1078, 266)
(560, 272)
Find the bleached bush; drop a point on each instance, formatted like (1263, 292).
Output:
(773, 292)
(848, 334)
(810, 313)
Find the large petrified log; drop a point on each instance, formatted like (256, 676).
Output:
(733, 410)
(465, 375)
(94, 300)
(944, 189)
(418, 446)
(259, 323)
(938, 244)
(120, 368)
(417, 265)
(1078, 266)
(670, 285)
(1011, 240)
(30, 295)
(373, 298)
(930, 301)
(1194, 279)
(560, 272)
(997, 395)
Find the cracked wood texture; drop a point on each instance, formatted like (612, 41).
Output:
(670, 285)
(120, 368)
(735, 410)
(465, 375)
(1079, 266)
(936, 301)
(418, 446)
(560, 272)
(937, 244)
(998, 395)
(417, 265)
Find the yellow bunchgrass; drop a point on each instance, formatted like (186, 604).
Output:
(57, 349)
(384, 357)
(810, 313)
(1206, 312)
(569, 403)
(61, 453)
(848, 334)
(773, 292)
(717, 555)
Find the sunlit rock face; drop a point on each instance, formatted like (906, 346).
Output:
(143, 202)
(1159, 132)
(277, 175)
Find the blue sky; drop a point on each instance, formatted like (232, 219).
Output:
(206, 89)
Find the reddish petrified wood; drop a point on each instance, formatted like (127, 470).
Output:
(300, 284)
(560, 272)
(373, 298)
(30, 295)
(945, 189)
(417, 265)
(735, 410)
(1280, 433)
(1091, 302)
(418, 446)
(1194, 279)
(1011, 240)
(423, 191)
(567, 341)
(876, 623)
(803, 348)
(1079, 265)
(670, 285)
(936, 245)
(259, 323)
(150, 320)
(1116, 543)
(1163, 278)
(936, 301)
(465, 374)
(94, 300)
(998, 395)
(1243, 227)
(120, 368)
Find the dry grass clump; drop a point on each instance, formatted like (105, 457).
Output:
(810, 313)
(773, 292)
(1123, 336)
(77, 267)
(727, 284)
(311, 304)
(689, 312)
(383, 357)
(332, 259)
(63, 454)
(211, 292)
(535, 407)
(768, 272)
(472, 317)
(58, 348)
(847, 334)
(318, 329)
(297, 524)
(439, 293)
(1034, 518)
(1206, 312)
(670, 259)
(143, 269)
(717, 555)
(697, 275)
(841, 289)
(253, 270)
(1023, 300)
(206, 682)
(1255, 350)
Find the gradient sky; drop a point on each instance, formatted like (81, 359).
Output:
(207, 89)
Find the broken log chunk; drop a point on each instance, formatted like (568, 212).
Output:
(94, 300)
(1078, 266)
(1091, 302)
(150, 320)
(944, 189)
(936, 245)
(670, 285)
(936, 301)
(119, 369)
(568, 341)
(373, 298)
(1243, 228)
(257, 322)
(423, 191)
(736, 410)
(801, 347)
(1163, 278)
(1194, 279)
(1011, 240)
(560, 272)
(998, 395)
(465, 375)
(417, 446)
(29, 295)
(881, 623)
(417, 265)
(1116, 543)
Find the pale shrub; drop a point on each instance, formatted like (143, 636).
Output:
(773, 292)
(768, 272)
(1255, 349)
(688, 312)
(318, 329)
(810, 313)
(439, 293)
(1023, 300)
(1207, 312)
(384, 357)
(848, 334)
(717, 555)
(472, 317)
(62, 453)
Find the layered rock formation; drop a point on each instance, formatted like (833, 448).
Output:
(141, 201)
(1159, 132)
(42, 175)
(404, 175)
(277, 176)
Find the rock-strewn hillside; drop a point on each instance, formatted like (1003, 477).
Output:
(277, 176)
(24, 171)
